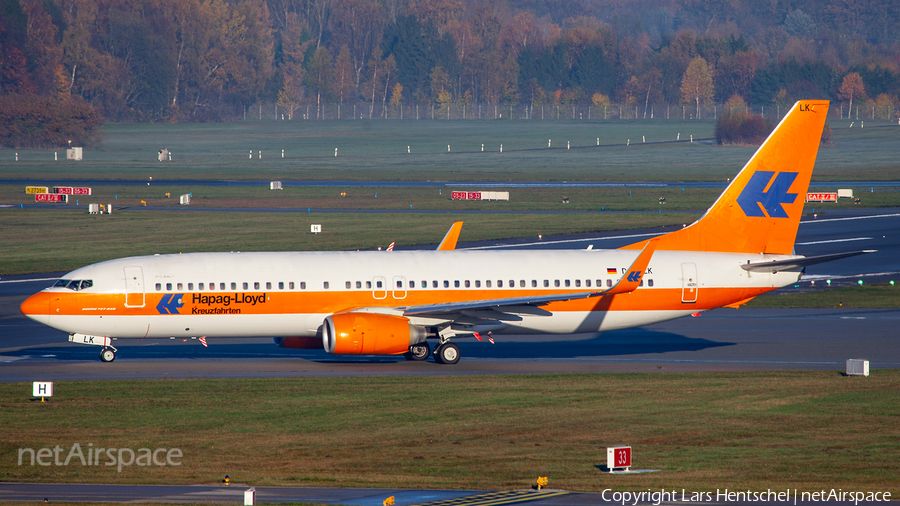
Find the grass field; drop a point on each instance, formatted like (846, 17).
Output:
(877, 296)
(804, 430)
(49, 241)
(377, 150)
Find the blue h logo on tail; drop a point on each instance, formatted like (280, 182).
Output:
(755, 193)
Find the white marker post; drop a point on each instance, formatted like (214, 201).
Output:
(42, 389)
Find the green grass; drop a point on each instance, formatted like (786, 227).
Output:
(376, 150)
(804, 430)
(49, 241)
(879, 296)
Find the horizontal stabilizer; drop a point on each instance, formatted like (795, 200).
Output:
(794, 264)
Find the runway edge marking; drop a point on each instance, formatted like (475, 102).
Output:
(497, 498)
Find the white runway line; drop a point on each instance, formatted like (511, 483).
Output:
(826, 220)
(832, 240)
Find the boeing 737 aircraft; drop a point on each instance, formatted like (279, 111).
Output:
(391, 303)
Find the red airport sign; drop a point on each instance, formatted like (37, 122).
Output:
(822, 197)
(458, 195)
(50, 197)
(618, 457)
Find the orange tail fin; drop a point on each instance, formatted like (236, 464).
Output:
(760, 210)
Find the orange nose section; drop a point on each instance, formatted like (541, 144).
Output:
(37, 307)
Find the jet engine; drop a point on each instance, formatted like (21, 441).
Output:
(298, 343)
(369, 334)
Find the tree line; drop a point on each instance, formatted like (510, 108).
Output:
(210, 60)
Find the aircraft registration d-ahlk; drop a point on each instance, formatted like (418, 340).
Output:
(380, 303)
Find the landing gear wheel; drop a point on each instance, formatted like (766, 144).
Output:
(418, 352)
(107, 355)
(447, 353)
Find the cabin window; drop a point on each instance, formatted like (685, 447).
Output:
(609, 282)
(477, 283)
(378, 284)
(599, 283)
(158, 287)
(546, 283)
(399, 284)
(268, 285)
(649, 282)
(168, 287)
(587, 282)
(412, 284)
(533, 283)
(521, 283)
(325, 284)
(303, 285)
(359, 284)
(178, 286)
(291, 285)
(212, 286)
(556, 283)
(199, 286)
(456, 284)
(468, 284)
(568, 283)
(191, 287)
(424, 284)
(234, 286)
(434, 284)
(221, 286)
(256, 285)
(446, 284)
(499, 283)
(369, 285)
(245, 285)
(281, 285)
(577, 283)
(347, 285)
(641, 283)
(487, 283)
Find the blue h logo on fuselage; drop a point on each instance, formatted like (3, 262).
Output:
(755, 194)
(169, 304)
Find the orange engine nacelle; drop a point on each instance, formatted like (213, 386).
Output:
(298, 343)
(369, 334)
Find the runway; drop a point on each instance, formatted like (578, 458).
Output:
(723, 339)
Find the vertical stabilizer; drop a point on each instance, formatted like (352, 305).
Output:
(760, 210)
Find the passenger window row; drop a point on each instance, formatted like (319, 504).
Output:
(379, 284)
(225, 286)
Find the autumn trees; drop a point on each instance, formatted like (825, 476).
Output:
(208, 60)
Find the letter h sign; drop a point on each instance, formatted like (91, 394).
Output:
(618, 457)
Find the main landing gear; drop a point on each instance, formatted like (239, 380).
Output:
(107, 354)
(447, 353)
(418, 352)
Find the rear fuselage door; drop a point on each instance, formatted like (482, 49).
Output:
(690, 285)
(134, 286)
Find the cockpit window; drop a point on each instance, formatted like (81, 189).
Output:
(74, 284)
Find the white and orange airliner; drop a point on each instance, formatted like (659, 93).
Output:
(380, 303)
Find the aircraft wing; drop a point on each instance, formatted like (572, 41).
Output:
(626, 284)
(793, 264)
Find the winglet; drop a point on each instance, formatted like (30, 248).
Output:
(630, 282)
(449, 241)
